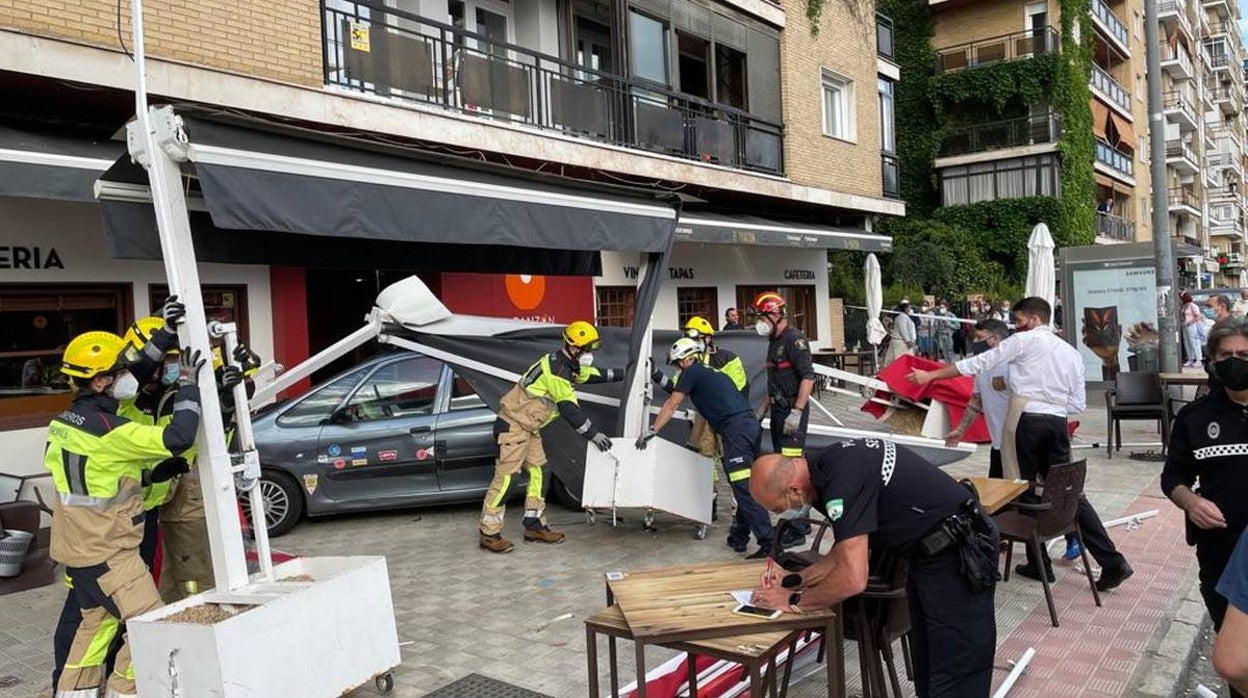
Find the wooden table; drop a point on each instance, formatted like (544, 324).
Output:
(754, 652)
(995, 493)
(684, 604)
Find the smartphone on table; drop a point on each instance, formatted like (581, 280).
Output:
(756, 612)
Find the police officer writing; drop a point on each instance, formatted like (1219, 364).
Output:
(543, 394)
(727, 412)
(790, 380)
(1209, 444)
(99, 463)
(884, 498)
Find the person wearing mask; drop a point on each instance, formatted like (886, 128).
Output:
(1002, 313)
(944, 325)
(1230, 648)
(904, 337)
(543, 394)
(886, 499)
(790, 381)
(925, 329)
(1209, 446)
(1240, 309)
(1217, 308)
(99, 462)
(732, 320)
(1046, 380)
(727, 412)
(1193, 330)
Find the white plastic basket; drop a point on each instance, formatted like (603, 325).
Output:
(13, 548)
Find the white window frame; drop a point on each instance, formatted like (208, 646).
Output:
(831, 80)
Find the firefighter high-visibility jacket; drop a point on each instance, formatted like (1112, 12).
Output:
(729, 364)
(545, 392)
(145, 409)
(99, 461)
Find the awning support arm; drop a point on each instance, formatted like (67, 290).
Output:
(370, 330)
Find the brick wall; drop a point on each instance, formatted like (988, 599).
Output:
(275, 39)
(846, 46)
(980, 20)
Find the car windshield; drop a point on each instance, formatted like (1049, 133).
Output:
(316, 407)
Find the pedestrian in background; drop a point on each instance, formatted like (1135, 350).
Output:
(1193, 329)
(1240, 309)
(732, 320)
(1217, 308)
(943, 326)
(924, 330)
(1002, 312)
(1209, 444)
(904, 339)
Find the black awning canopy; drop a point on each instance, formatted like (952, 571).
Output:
(751, 230)
(52, 166)
(278, 198)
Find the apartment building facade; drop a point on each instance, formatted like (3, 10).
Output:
(1201, 61)
(778, 142)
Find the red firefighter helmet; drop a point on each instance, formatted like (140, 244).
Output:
(769, 302)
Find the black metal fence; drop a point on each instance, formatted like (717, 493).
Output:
(400, 55)
(1008, 133)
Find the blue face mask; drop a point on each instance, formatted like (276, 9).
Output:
(170, 375)
(1209, 313)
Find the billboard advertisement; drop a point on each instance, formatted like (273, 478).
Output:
(1111, 311)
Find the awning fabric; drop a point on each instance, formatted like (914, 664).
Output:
(282, 198)
(48, 166)
(1100, 119)
(749, 230)
(1126, 134)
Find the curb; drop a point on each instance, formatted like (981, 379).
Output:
(1164, 665)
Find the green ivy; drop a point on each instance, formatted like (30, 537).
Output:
(918, 141)
(814, 12)
(992, 88)
(1072, 100)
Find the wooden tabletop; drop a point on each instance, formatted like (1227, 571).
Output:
(995, 493)
(692, 603)
(736, 647)
(1184, 378)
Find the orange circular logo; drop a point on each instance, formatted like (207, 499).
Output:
(526, 292)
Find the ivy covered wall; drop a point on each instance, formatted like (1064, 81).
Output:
(982, 247)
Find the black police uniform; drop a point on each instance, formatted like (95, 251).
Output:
(1209, 443)
(874, 487)
(788, 364)
(728, 413)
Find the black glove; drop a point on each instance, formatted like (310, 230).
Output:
(174, 313)
(248, 359)
(230, 377)
(644, 439)
(192, 362)
(169, 468)
(658, 376)
(602, 441)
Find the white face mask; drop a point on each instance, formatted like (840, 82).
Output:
(124, 387)
(586, 358)
(763, 328)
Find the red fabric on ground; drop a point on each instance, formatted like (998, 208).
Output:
(955, 393)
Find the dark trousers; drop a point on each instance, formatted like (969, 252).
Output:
(995, 469)
(1043, 441)
(953, 632)
(742, 438)
(71, 611)
(1213, 551)
(790, 445)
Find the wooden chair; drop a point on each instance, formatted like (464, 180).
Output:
(1133, 397)
(1056, 514)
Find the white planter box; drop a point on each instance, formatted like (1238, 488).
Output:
(664, 477)
(306, 639)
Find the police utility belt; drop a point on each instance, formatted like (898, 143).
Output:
(973, 535)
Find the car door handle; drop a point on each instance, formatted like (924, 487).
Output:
(420, 430)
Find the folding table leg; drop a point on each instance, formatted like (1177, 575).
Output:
(691, 668)
(756, 680)
(788, 667)
(639, 651)
(591, 659)
(835, 639)
(615, 665)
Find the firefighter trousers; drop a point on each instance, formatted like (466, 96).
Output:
(517, 449)
(109, 594)
(186, 565)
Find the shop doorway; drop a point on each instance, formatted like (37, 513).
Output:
(338, 300)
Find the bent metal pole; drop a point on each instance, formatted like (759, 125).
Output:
(154, 140)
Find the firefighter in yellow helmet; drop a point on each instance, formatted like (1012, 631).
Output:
(99, 460)
(544, 393)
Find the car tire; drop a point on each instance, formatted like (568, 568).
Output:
(283, 502)
(564, 495)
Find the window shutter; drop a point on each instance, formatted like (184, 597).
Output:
(763, 73)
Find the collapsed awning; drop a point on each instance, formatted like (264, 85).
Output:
(1126, 134)
(51, 166)
(284, 198)
(749, 230)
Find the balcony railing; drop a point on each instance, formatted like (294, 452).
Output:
(1181, 101)
(1174, 54)
(1117, 29)
(1115, 227)
(890, 175)
(1007, 47)
(1110, 87)
(884, 36)
(1115, 159)
(1181, 150)
(994, 135)
(1184, 196)
(429, 62)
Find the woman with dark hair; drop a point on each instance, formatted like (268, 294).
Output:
(1209, 444)
(1193, 327)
